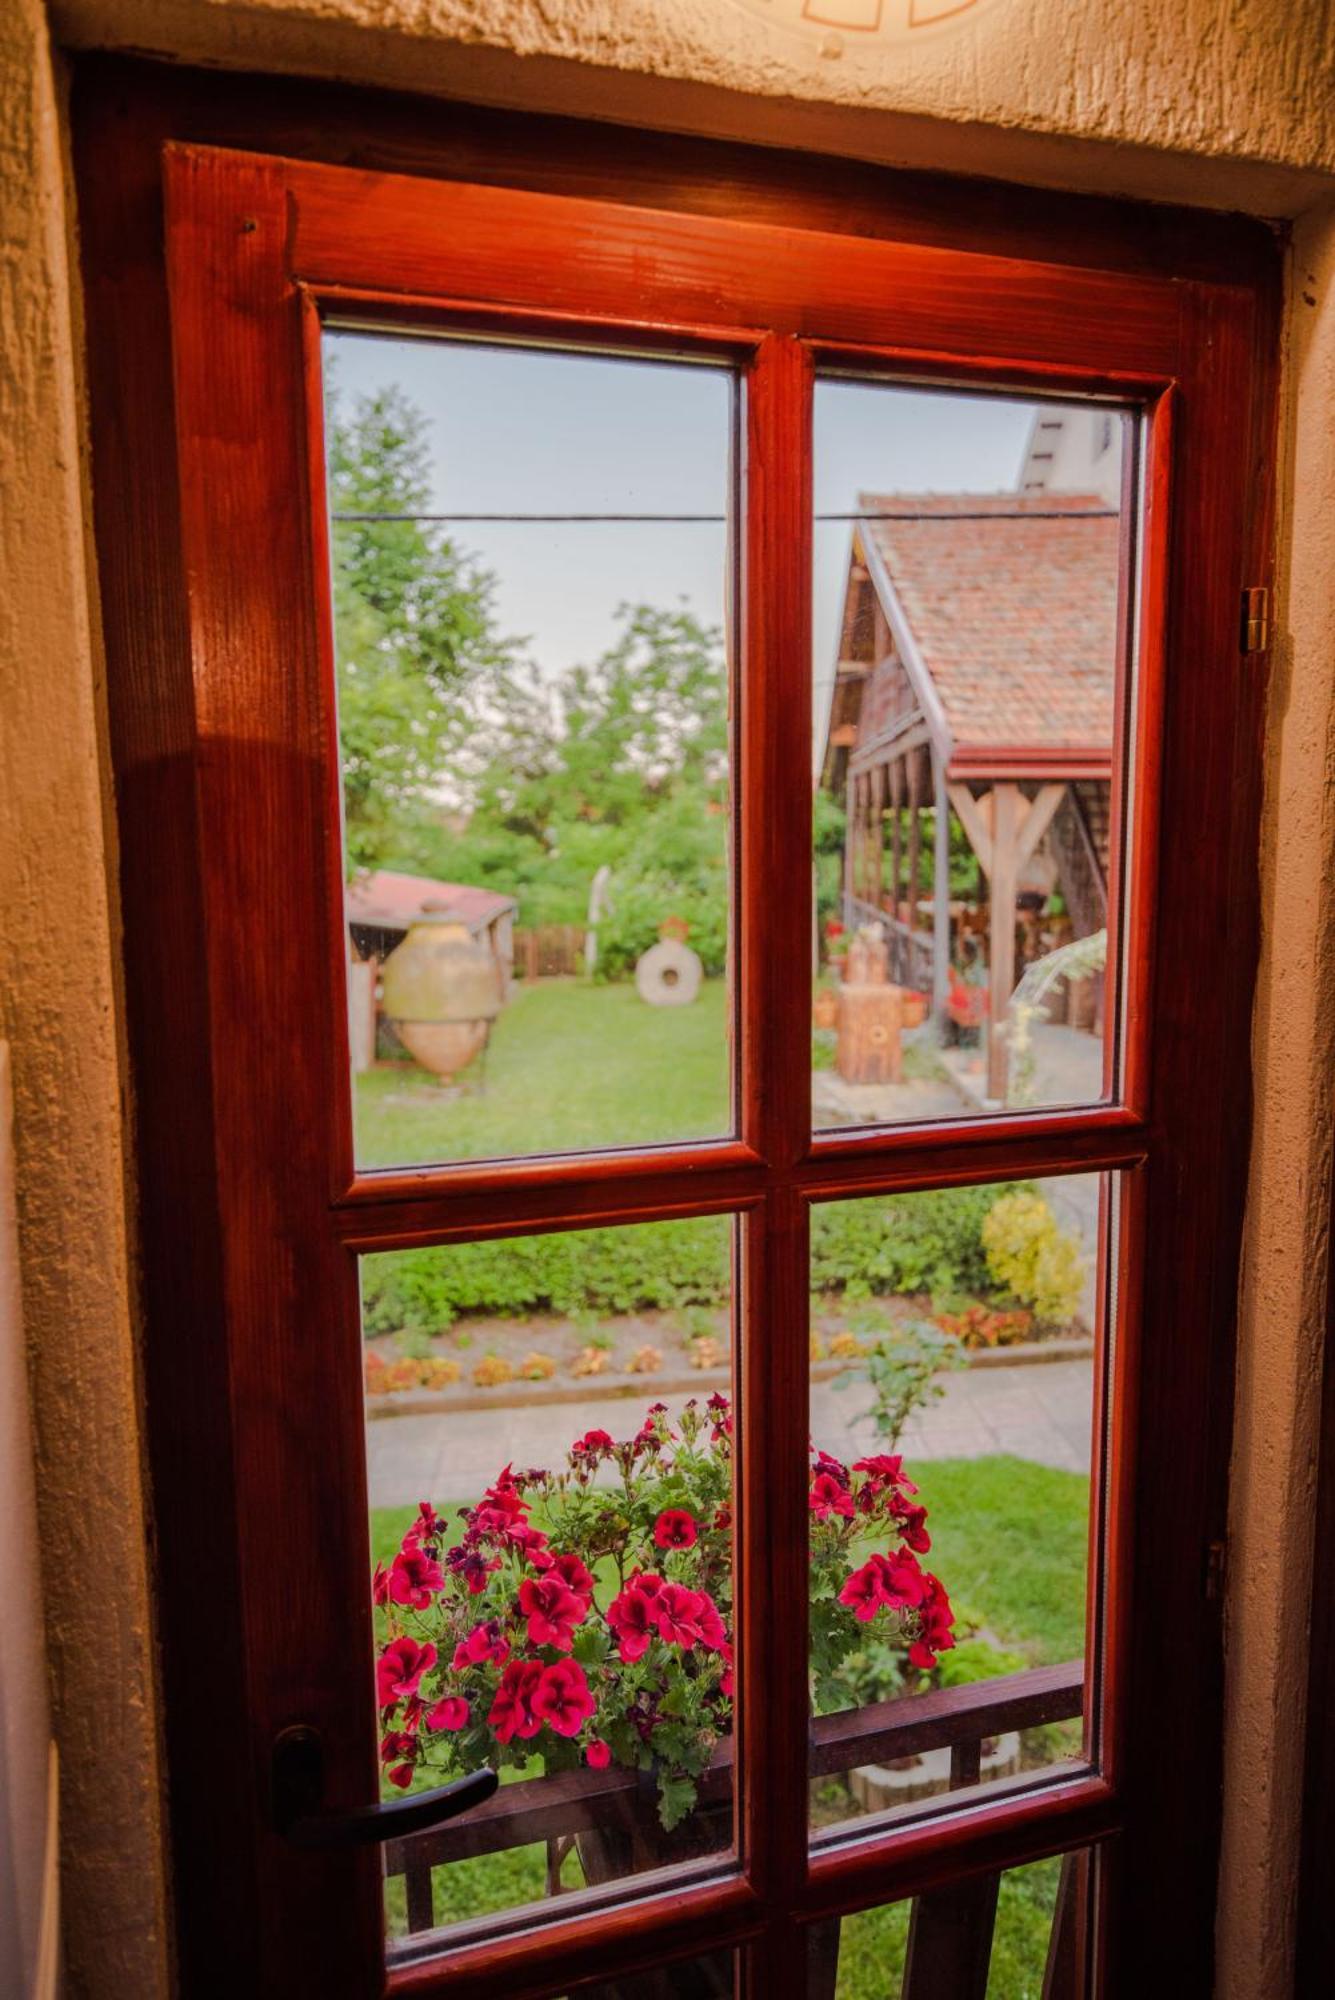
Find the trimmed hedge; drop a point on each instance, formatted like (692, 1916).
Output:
(930, 1242)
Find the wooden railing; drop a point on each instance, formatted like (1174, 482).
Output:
(911, 952)
(950, 1933)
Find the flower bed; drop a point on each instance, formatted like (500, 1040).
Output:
(590, 1623)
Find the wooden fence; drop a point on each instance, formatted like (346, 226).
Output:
(549, 951)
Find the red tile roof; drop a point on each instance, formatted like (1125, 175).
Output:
(1012, 603)
(387, 901)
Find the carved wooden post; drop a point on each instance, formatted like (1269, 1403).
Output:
(1007, 808)
(915, 834)
(940, 893)
(877, 834)
(850, 845)
(896, 777)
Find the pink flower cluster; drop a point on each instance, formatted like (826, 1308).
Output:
(600, 1630)
(895, 1581)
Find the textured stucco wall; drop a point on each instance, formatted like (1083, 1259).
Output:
(57, 1006)
(1243, 84)
(1224, 102)
(1284, 1268)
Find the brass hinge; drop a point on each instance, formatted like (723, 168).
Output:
(1216, 1564)
(1255, 619)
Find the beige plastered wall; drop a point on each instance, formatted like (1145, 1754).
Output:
(1222, 102)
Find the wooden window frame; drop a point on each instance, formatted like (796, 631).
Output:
(250, 1213)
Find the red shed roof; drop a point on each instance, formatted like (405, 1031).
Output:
(1010, 605)
(388, 901)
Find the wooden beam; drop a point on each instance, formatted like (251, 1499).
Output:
(878, 833)
(969, 812)
(1037, 820)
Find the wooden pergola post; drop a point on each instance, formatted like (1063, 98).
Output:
(850, 846)
(1004, 828)
(877, 834)
(940, 892)
(1007, 802)
(911, 776)
(896, 776)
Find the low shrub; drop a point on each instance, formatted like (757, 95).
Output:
(590, 1361)
(924, 1242)
(982, 1326)
(491, 1371)
(1032, 1257)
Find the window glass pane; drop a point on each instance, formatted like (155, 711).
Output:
(549, 1446)
(1028, 1927)
(531, 555)
(967, 817)
(953, 1360)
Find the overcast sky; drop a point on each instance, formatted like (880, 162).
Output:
(519, 431)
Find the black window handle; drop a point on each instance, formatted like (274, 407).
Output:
(298, 1787)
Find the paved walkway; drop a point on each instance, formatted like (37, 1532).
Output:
(1040, 1412)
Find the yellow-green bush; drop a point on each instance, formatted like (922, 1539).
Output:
(1031, 1257)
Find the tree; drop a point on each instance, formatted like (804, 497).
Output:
(622, 763)
(415, 634)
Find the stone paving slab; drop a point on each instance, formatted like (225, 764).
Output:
(1040, 1413)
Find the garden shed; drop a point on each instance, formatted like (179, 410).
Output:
(382, 906)
(975, 675)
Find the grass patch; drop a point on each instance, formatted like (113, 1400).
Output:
(873, 1943)
(1009, 1538)
(570, 1066)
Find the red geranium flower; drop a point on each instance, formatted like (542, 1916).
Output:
(597, 1754)
(937, 1635)
(828, 1497)
(427, 1526)
(593, 1444)
(511, 1712)
(484, 1642)
(574, 1576)
(913, 1527)
(414, 1578)
(675, 1529)
(400, 1668)
(892, 1581)
(687, 1617)
(380, 1585)
(886, 1469)
(863, 1594)
(632, 1617)
(452, 1713)
(552, 1611)
(562, 1699)
(473, 1567)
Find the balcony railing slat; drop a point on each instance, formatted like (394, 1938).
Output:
(585, 1801)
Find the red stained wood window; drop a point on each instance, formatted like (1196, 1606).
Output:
(971, 770)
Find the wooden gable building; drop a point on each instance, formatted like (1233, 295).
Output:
(976, 676)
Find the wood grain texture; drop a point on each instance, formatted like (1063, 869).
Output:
(223, 746)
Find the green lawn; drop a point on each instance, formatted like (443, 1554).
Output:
(872, 1944)
(570, 1066)
(1009, 1540)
